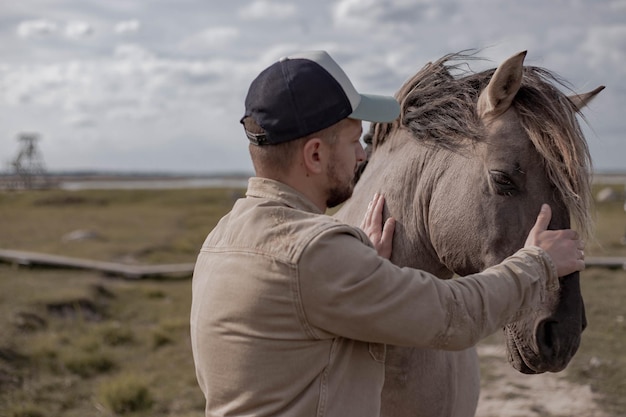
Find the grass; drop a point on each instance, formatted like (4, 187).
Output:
(141, 226)
(601, 360)
(76, 343)
(63, 363)
(126, 394)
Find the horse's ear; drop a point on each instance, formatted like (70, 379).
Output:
(581, 100)
(497, 97)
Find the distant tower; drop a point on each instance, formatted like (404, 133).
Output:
(624, 237)
(28, 166)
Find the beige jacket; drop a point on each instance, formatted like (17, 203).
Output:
(292, 309)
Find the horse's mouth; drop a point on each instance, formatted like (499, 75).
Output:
(517, 358)
(529, 358)
(523, 356)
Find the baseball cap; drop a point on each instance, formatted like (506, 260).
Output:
(305, 93)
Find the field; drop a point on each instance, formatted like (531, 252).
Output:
(77, 343)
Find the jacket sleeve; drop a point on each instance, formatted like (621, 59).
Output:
(347, 290)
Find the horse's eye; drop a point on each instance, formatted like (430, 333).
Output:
(502, 183)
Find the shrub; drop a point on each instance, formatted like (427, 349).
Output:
(116, 335)
(161, 337)
(168, 332)
(126, 394)
(26, 410)
(89, 364)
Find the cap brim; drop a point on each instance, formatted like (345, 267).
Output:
(375, 108)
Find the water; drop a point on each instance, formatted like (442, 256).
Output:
(77, 185)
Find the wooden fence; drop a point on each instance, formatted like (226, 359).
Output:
(110, 268)
(174, 270)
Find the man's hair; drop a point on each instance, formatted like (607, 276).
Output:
(279, 157)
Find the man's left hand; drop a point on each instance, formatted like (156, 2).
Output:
(380, 234)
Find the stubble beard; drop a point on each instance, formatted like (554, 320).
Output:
(339, 190)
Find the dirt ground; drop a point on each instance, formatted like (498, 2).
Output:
(507, 393)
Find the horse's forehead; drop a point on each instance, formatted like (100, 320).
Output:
(506, 134)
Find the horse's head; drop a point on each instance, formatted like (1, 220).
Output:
(494, 146)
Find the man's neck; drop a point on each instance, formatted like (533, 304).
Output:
(305, 184)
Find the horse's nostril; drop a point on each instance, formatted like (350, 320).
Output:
(545, 338)
(583, 315)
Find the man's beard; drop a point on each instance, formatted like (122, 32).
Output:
(338, 191)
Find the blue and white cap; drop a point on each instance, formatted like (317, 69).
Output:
(305, 93)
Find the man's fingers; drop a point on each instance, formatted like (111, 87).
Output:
(388, 229)
(543, 219)
(379, 200)
(564, 246)
(568, 234)
(380, 233)
(378, 208)
(367, 219)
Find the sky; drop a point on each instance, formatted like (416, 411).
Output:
(159, 85)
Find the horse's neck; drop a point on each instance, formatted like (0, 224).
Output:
(396, 170)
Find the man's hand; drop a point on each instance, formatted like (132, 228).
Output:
(372, 224)
(563, 246)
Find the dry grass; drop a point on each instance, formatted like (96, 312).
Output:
(71, 339)
(75, 343)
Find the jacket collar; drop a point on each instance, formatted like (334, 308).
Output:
(278, 191)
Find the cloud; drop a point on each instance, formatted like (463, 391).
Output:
(606, 45)
(187, 76)
(132, 52)
(268, 10)
(127, 26)
(216, 37)
(80, 121)
(134, 84)
(40, 27)
(399, 14)
(618, 5)
(77, 30)
(43, 27)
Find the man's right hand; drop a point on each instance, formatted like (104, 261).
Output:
(564, 246)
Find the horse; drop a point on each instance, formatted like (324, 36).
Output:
(464, 170)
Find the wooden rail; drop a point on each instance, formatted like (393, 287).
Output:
(110, 268)
(175, 270)
(606, 262)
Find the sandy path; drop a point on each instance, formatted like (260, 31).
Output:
(508, 393)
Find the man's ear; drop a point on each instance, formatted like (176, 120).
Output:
(314, 155)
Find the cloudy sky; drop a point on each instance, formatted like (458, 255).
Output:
(158, 85)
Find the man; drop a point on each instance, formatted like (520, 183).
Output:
(292, 309)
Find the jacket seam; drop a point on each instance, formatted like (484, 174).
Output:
(302, 316)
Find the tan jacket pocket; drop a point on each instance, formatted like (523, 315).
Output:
(378, 351)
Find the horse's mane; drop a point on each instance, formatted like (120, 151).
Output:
(438, 106)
